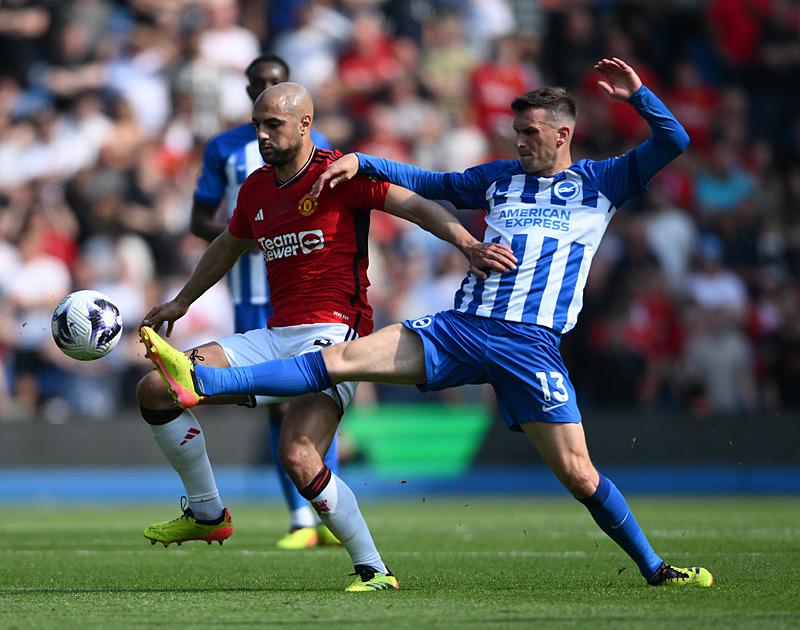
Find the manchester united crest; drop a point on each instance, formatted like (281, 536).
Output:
(307, 205)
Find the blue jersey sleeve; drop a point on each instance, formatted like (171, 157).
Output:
(463, 190)
(669, 138)
(211, 180)
(624, 177)
(319, 140)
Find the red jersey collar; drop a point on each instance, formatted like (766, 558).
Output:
(299, 174)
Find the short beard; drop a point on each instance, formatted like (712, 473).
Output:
(280, 157)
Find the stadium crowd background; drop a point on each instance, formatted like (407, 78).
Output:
(693, 304)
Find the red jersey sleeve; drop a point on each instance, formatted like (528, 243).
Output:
(370, 192)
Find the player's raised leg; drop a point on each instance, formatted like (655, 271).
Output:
(280, 377)
(390, 355)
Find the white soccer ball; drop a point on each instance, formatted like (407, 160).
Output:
(86, 325)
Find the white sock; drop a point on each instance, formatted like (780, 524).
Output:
(338, 509)
(183, 444)
(302, 517)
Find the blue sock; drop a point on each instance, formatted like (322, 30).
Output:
(610, 511)
(302, 374)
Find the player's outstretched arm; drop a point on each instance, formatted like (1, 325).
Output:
(669, 139)
(218, 259)
(434, 218)
(619, 81)
(340, 171)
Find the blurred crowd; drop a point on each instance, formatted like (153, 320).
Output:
(693, 303)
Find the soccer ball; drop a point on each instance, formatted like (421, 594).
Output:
(86, 325)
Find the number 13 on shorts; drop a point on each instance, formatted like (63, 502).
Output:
(553, 388)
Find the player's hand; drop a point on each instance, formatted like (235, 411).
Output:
(167, 312)
(341, 170)
(485, 257)
(620, 80)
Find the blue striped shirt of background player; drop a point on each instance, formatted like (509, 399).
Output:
(228, 158)
(553, 224)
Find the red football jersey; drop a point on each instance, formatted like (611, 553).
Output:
(315, 250)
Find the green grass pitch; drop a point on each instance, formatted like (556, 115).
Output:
(507, 562)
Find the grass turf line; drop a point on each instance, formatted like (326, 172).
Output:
(497, 563)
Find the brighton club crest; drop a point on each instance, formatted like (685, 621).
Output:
(307, 205)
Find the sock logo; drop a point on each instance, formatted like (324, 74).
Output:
(320, 506)
(190, 434)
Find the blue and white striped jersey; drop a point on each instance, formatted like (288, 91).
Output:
(553, 224)
(228, 158)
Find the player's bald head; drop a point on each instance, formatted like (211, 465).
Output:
(282, 116)
(289, 98)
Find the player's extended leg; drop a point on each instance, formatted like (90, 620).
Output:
(393, 354)
(306, 435)
(182, 441)
(563, 447)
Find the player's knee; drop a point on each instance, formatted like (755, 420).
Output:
(300, 460)
(336, 357)
(288, 454)
(291, 455)
(151, 393)
(580, 481)
(154, 406)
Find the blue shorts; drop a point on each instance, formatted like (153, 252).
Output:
(520, 361)
(250, 316)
